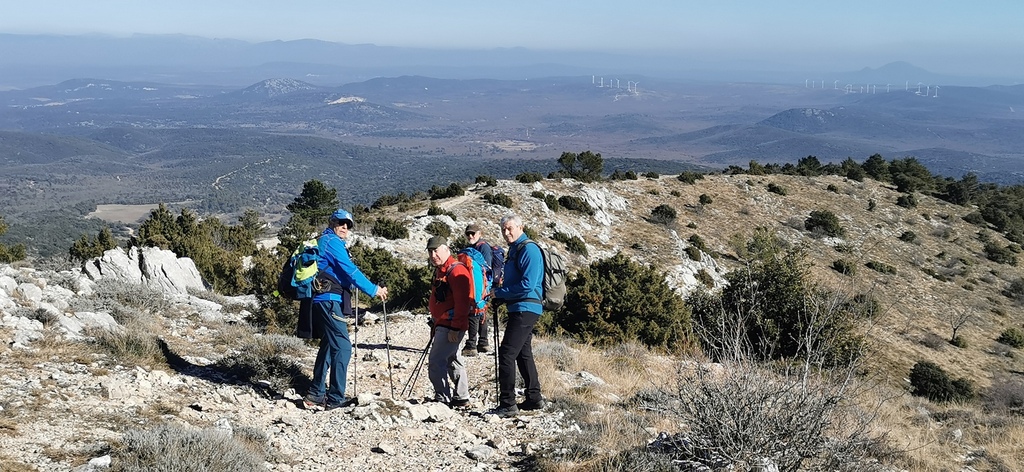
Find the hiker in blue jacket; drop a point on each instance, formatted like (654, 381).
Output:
(522, 294)
(476, 341)
(328, 310)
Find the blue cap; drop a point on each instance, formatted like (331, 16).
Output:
(342, 215)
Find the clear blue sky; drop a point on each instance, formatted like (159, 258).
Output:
(961, 37)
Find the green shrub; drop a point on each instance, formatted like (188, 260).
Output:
(650, 175)
(959, 341)
(663, 214)
(697, 242)
(908, 236)
(13, 253)
(676, 193)
(880, 267)
(487, 180)
(619, 175)
(1015, 290)
(391, 200)
(907, 200)
(408, 286)
(832, 188)
(573, 244)
(576, 204)
(86, 247)
(498, 199)
(975, 218)
(691, 225)
(529, 177)
(768, 303)
(929, 380)
(538, 194)
(1013, 337)
(777, 189)
(389, 229)
(452, 190)
(999, 254)
(435, 210)
(824, 222)
(872, 204)
(552, 202)
(704, 199)
(844, 267)
(437, 228)
(616, 300)
(705, 278)
(690, 177)
(693, 253)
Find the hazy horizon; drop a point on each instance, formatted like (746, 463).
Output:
(954, 38)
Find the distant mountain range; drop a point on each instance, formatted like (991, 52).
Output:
(32, 60)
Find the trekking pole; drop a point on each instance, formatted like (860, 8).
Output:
(410, 385)
(355, 344)
(387, 347)
(497, 394)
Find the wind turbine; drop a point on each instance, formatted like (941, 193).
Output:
(835, 85)
(887, 88)
(928, 91)
(919, 84)
(634, 88)
(936, 92)
(805, 82)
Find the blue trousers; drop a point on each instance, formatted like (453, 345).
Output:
(334, 353)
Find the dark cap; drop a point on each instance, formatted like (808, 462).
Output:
(473, 228)
(436, 242)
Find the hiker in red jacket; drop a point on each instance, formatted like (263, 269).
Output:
(451, 302)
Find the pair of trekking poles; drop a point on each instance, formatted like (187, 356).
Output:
(355, 346)
(410, 385)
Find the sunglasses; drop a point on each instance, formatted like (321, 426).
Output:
(470, 233)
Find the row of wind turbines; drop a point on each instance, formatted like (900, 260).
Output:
(630, 85)
(930, 90)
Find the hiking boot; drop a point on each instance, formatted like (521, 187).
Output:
(483, 349)
(344, 404)
(462, 403)
(310, 400)
(505, 411)
(529, 406)
(469, 353)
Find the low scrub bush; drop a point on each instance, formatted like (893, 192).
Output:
(172, 448)
(650, 175)
(705, 278)
(777, 189)
(452, 190)
(576, 204)
(616, 300)
(389, 229)
(529, 177)
(1005, 396)
(824, 222)
(437, 228)
(1013, 337)
(929, 380)
(487, 180)
(705, 199)
(690, 177)
(908, 237)
(573, 244)
(880, 267)
(693, 252)
(663, 214)
(435, 210)
(697, 242)
(907, 200)
(844, 267)
(999, 254)
(498, 199)
(407, 286)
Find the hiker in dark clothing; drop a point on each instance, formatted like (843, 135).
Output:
(477, 339)
(522, 294)
(451, 302)
(335, 346)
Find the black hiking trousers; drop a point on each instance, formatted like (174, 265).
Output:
(516, 350)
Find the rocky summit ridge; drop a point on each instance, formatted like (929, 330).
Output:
(67, 403)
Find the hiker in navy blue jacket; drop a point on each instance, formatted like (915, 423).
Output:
(328, 310)
(476, 341)
(522, 294)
